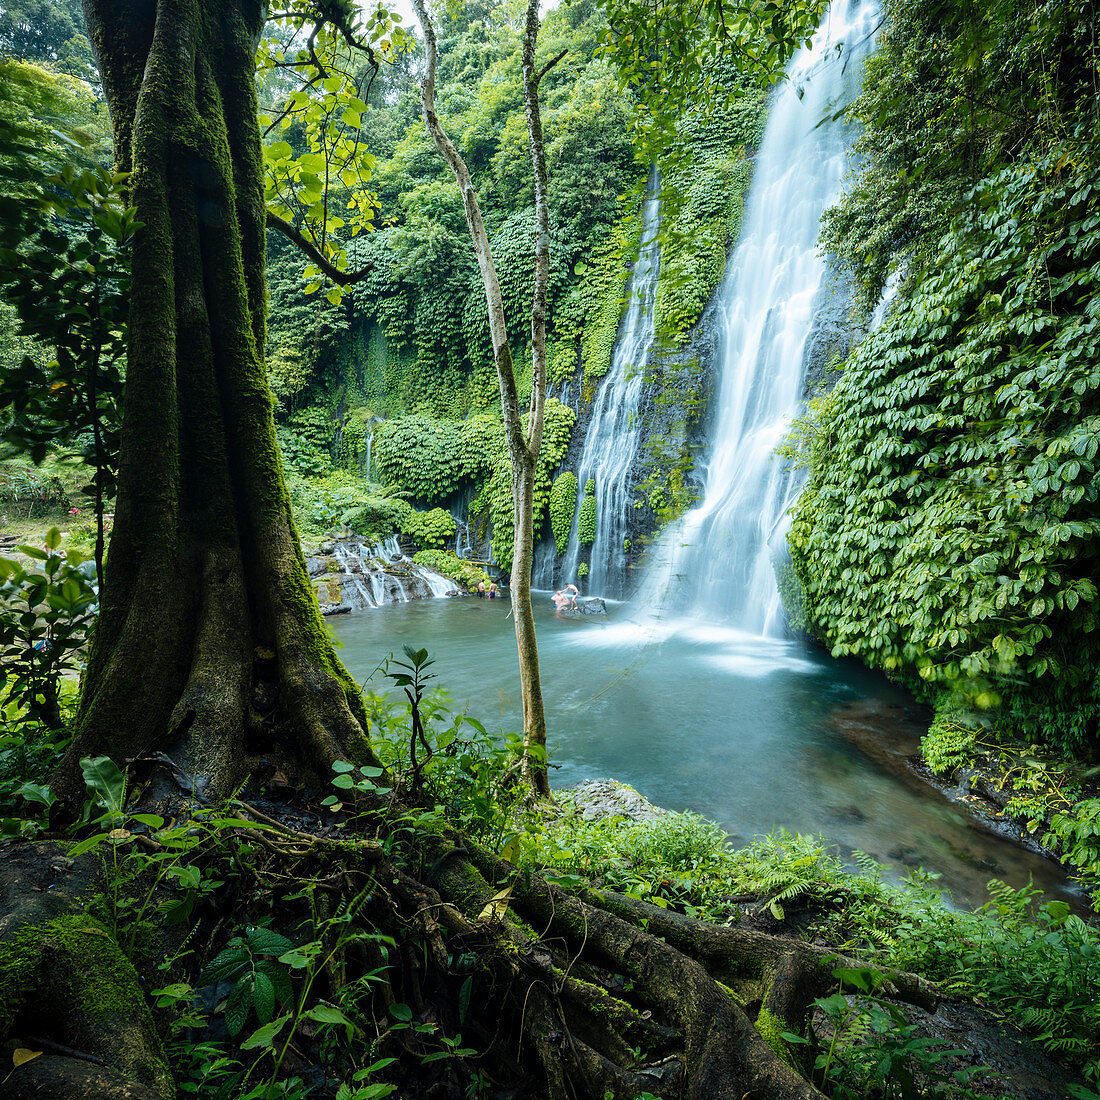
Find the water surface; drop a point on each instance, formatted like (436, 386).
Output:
(752, 732)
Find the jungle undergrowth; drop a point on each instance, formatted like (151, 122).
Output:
(278, 951)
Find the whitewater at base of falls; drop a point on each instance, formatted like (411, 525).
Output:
(351, 575)
(717, 564)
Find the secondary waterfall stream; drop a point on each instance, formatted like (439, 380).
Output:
(615, 428)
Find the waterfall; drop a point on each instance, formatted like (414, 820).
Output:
(614, 432)
(718, 563)
(371, 574)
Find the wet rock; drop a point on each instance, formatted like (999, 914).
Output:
(592, 606)
(596, 799)
(1022, 1069)
(350, 575)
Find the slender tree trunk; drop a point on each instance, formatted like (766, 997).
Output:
(535, 731)
(205, 596)
(523, 450)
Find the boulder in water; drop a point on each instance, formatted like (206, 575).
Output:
(593, 605)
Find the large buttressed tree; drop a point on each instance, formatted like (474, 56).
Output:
(209, 639)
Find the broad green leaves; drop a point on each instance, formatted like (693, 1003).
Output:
(949, 531)
(67, 274)
(46, 612)
(317, 177)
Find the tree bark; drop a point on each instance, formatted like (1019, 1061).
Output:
(205, 592)
(523, 448)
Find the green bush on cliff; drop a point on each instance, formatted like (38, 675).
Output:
(429, 530)
(563, 503)
(587, 518)
(421, 454)
(949, 530)
(586, 521)
(450, 565)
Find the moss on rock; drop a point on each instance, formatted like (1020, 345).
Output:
(68, 978)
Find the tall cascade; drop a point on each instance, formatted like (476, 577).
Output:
(614, 432)
(718, 563)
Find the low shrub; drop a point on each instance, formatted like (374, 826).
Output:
(466, 573)
(430, 530)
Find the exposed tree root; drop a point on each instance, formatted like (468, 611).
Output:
(573, 997)
(563, 996)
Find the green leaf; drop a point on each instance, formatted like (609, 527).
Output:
(102, 777)
(264, 1037)
(262, 941)
(238, 1005)
(329, 1016)
(263, 996)
(223, 966)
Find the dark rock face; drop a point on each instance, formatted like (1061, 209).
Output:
(831, 335)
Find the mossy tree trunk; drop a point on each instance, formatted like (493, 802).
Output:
(523, 446)
(206, 596)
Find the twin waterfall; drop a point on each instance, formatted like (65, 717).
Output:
(717, 564)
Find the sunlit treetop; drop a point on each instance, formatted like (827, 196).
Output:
(669, 53)
(316, 65)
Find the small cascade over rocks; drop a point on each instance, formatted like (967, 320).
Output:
(350, 575)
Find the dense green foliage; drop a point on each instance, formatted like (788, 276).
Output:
(587, 520)
(563, 505)
(48, 32)
(705, 187)
(429, 530)
(949, 527)
(412, 337)
(45, 614)
(493, 502)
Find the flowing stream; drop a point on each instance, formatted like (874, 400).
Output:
(694, 694)
(373, 574)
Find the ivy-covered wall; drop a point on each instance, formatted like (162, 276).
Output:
(950, 528)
